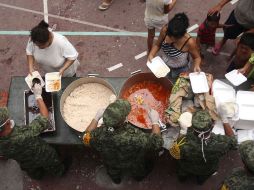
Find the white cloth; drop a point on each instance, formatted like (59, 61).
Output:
(154, 13)
(52, 58)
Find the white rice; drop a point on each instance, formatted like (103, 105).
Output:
(82, 104)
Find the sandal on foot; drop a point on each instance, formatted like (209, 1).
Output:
(104, 6)
(216, 49)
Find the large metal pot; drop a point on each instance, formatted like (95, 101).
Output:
(78, 83)
(140, 77)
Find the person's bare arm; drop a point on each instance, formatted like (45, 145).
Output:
(95, 121)
(250, 30)
(218, 7)
(246, 69)
(169, 7)
(198, 43)
(228, 130)
(66, 65)
(30, 62)
(195, 54)
(156, 129)
(158, 43)
(92, 126)
(43, 108)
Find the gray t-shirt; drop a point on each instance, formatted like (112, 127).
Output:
(244, 13)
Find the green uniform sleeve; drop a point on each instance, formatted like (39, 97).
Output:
(229, 143)
(38, 125)
(96, 138)
(156, 141)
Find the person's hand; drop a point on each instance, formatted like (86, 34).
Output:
(242, 70)
(215, 9)
(227, 25)
(31, 70)
(197, 69)
(154, 116)
(37, 90)
(99, 114)
(61, 71)
(149, 59)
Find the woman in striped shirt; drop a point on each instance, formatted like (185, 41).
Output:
(177, 44)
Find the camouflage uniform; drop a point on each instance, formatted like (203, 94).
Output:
(192, 161)
(239, 179)
(124, 149)
(25, 146)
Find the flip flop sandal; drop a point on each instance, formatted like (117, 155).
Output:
(104, 6)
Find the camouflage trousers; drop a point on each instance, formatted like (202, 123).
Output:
(184, 175)
(137, 171)
(50, 164)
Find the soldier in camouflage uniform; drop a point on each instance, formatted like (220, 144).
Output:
(23, 144)
(240, 178)
(124, 148)
(199, 151)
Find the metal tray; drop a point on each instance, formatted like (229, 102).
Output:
(31, 109)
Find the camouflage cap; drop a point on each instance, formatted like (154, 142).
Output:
(247, 154)
(116, 112)
(4, 115)
(201, 120)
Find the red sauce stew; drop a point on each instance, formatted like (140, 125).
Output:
(153, 95)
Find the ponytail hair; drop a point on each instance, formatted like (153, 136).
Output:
(178, 25)
(40, 33)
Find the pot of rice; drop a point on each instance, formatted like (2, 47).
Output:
(81, 100)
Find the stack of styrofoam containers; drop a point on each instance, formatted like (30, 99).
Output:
(223, 92)
(245, 101)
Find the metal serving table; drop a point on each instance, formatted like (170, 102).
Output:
(64, 135)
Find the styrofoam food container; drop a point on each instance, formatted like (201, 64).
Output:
(53, 82)
(246, 105)
(235, 77)
(199, 82)
(30, 78)
(158, 67)
(223, 95)
(220, 84)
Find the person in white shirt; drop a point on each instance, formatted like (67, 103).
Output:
(156, 16)
(52, 51)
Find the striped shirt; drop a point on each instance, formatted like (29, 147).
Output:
(175, 58)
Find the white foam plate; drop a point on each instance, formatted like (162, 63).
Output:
(30, 78)
(158, 67)
(246, 104)
(199, 82)
(51, 80)
(235, 78)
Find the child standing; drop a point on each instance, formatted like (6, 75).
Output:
(156, 16)
(206, 32)
(242, 53)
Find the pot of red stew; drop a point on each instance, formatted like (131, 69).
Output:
(145, 91)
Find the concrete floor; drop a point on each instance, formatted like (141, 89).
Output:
(96, 53)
